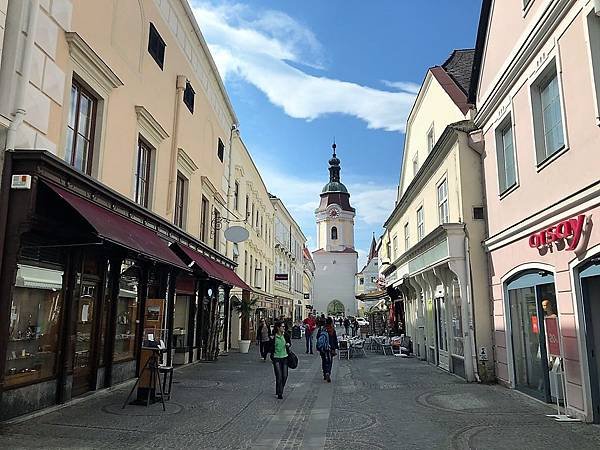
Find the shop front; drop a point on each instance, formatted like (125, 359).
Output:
(85, 276)
(430, 291)
(546, 288)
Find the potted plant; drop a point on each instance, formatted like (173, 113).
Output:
(244, 307)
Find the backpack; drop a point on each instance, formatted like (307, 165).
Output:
(323, 341)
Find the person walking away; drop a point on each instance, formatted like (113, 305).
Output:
(347, 326)
(310, 324)
(280, 343)
(341, 321)
(263, 336)
(327, 344)
(353, 326)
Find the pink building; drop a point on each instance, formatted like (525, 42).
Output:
(537, 91)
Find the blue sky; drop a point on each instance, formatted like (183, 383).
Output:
(301, 72)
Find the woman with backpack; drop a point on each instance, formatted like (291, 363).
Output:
(280, 343)
(327, 344)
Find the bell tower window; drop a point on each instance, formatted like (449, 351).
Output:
(334, 234)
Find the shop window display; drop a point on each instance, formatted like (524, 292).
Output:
(34, 325)
(127, 311)
(457, 328)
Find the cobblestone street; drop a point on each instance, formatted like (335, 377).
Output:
(373, 402)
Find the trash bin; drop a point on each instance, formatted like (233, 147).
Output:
(296, 332)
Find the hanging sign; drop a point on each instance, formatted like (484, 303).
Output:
(567, 229)
(552, 336)
(281, 277)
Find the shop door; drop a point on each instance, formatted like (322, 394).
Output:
(590, 288)
(85, 339)
(528, 338)
(442, 333)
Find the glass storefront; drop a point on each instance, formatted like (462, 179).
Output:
(458, 347)
(531, 298)
(127, 312)
(34, 325)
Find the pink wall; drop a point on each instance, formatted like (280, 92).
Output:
(506, 15)
(572, 171)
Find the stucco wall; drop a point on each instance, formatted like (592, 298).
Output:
(335, 281)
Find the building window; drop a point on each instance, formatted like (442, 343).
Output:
(430, 139)
(442, 198)
(415, 164)
(80, 129)
(478, 213)
(406, 237)
(547, 115)
(505, 155)
(593, 22)
(388, 249)
(395, 246)
(180, 196)
(156, 47)
(216, 237)
(334, 233)
(362, 281)
(188, 96)
(204, 219)
(236, 196)
(245, 265)
(247, 208)
(420, 224)
(221, 150)
(143, 173)
(127, 305)
(33, 325)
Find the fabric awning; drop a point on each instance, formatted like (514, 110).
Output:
(212, 268)
(112, 227)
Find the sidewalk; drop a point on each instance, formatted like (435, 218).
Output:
(374, 402)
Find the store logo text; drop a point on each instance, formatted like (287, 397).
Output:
(570, 228)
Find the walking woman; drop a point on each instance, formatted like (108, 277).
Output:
(327, 344)
(280, 343)
(263, 336)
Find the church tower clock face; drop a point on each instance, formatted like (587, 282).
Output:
(334, 213)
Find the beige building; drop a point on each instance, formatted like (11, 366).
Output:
(308, 280)
(288, 260)
(431, 256)
(250, 206)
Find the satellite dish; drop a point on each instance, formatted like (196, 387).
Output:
(236, 234)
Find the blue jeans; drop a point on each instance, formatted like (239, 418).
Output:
(326, 362)
(309, 342)
(280, 368)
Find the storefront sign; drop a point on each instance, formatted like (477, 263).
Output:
(570, 228)
(281, 277)
(552, 335)
(20, 182)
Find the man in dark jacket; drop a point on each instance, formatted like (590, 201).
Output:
(327, 354)
(346, 325)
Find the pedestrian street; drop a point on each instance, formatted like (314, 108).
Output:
(373, 402)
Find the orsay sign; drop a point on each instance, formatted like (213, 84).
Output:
(570, 229)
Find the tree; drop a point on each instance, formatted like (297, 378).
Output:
(244, 307)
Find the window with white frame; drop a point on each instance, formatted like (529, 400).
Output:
(442, 199)
(547, 114)
(420, 224)
(593, 23)
(395, 246)
(430, 139)
(505, 155)
(406, 237)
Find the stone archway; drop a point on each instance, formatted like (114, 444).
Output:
(335, 308)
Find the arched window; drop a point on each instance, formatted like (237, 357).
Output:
(333, 233)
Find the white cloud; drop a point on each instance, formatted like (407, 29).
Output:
(258, 46)
(406, 86)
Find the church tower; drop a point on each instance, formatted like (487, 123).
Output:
(335, 258)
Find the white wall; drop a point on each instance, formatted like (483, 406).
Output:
(335, 281)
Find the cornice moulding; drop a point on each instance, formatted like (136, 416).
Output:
(90, 62)
(150, 125)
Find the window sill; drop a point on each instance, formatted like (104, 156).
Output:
(550, 159)
(508, 191)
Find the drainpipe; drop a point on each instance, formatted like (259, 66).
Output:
(20, 112)
(179, 88)
(474, 369)
(234, 129)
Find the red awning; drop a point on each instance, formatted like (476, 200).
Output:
(112, 227)
(213, 268)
